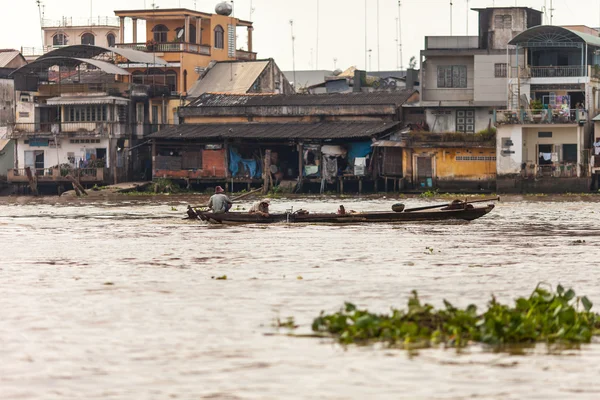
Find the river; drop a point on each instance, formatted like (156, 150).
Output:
(115, 299)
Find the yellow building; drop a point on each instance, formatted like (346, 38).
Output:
(188, 40)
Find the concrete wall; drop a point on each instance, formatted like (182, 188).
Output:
(429, 89)
(443, 120)
(451, 42)
(7, 101)
(524, 144)
(65, 147)
(7, 158)
(509, 158)
(453, 168)
(499, 36)
(488, 88)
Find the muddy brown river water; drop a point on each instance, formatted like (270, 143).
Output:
(113, 299)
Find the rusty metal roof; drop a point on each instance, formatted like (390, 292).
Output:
(286, 131)
(398, 97)
(229, 77)
(6, 56)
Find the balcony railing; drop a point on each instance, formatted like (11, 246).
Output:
(83, 175)
(245, 55)
(115, 88)
(544, 116)
(69, 21)
(171, 47)
(572, 71)
(20, 129)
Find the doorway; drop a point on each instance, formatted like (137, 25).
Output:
(424, 171)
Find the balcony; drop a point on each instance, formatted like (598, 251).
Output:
(48, 129)
(57, 175)
(545, 116)
(572, 71)
(245, 55)
(171, 47)
(114, 89)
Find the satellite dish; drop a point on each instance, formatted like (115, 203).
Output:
(180, 33)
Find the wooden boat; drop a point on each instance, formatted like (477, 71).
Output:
(466, 213)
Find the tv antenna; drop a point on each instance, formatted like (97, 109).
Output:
(467, 1)
(378, 48)
(293, 51)
(551, 12)
(252, 9)
(41, 14)
(366, 50)
(334, 63)
(450, 17)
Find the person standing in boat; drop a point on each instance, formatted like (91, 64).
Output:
(261, 208)
(219, 203)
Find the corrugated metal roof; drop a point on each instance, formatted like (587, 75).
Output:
(45, 63)
(229, 77)
(398, 97)
(87, 100)
(89, 51)
(287, 131)
(6, 57)
(541, 33)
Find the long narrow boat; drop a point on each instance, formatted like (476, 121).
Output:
(467, 214)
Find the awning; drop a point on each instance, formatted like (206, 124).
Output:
(387, 143)
(45, 63)
(87, 100)
(3, 143)
(88, 51)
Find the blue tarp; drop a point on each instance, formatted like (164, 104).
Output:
(358, 149)
(250, 166)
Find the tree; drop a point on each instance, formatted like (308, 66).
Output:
(412, 63)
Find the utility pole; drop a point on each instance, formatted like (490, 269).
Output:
(317, 55)
(378, 51)
(467, 17)
(400, 32)
(293, 52)
(366, 50)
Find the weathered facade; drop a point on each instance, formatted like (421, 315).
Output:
(545, 136)
(321, 142)
(463, 78)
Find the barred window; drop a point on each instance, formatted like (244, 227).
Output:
(452, 76)
(500, 70)
(475, 158)
(503, 22)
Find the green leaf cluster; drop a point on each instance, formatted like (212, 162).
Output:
(545, 316)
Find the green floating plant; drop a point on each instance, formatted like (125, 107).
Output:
(545, 316)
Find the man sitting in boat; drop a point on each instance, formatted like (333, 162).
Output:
(261, 208)
(219, 203)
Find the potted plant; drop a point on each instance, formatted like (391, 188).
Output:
(151, 45)
(536, 110)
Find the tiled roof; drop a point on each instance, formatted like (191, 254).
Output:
(398, 97)
(296, 130)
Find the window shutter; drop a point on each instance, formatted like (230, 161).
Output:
(441, 77)
(231, 40)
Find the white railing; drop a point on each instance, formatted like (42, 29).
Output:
(544, 116)
(70, 21)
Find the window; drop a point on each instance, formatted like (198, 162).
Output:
(452, 76)
(569, 153)
(88, 38)
(465, 121)
(140, 113)
(500, 70)
(160, 33)
(503, 22)
(59, 40)
(90, 113)
(219, 37)
(544, 134)
(111, 39)
(171, 80)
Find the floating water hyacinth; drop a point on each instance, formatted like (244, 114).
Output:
(545, 316)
